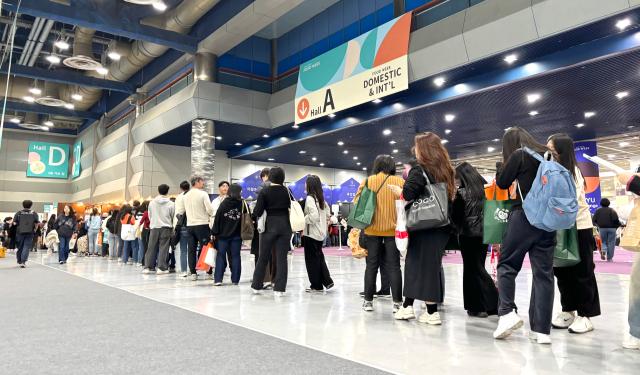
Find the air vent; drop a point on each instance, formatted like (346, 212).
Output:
(51, 101)
(82, 63)
(33, 127)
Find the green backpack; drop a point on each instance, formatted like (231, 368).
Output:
(361, 215)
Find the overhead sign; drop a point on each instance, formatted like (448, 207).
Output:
(48, 160)
(368, 67)
(250, 185)
(590, 172)
(77, 154)
(299, 188)
(346, 192)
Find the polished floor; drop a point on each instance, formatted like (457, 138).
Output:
(335, 324)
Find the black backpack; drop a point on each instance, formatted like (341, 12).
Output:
(26, 222)
(110, 224)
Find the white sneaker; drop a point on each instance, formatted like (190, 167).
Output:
(507, 324)
(183, 274)
(217, 284)
(431, 319)
(194, 277)
(146, 271)
(564, 319)
(405, 313)
(161, 272)
(119, 260)
(540, 338)
(367, 306)
(397, 306)
(631, 342)
(255, 291)
(279, 294)
(581, 325)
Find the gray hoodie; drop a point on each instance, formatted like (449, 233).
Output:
(161, 211)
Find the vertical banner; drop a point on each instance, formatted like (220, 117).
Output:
(590, 172)
(368, 67)
(48, 160)
(346, 192)
(298, 188)
(328, 193)
(250, 185)
(76, 165)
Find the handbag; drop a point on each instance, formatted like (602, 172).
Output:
(362, 214)
(402, 236)
(246, 223)
(262, 222)
(427, 212)
(566, 252)
(205, 260)
(128, 231)
(631, 234)
(296, 214)
(496, 215)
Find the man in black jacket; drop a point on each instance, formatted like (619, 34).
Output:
(25, 222)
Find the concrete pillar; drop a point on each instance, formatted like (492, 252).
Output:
(203, 154)
(205, 67)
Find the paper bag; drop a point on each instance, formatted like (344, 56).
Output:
(631, 235)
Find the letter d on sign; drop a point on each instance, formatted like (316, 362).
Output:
(52, 160)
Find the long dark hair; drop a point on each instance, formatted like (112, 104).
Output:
(314, 189)
(432, 156)
(516, 138)
(471, 180)
(72, 212)
(94, 212)
(563, 146)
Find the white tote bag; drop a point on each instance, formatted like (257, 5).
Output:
(128, 232)
(262, 222)
(296, 215)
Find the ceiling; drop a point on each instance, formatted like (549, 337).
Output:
(296, 17)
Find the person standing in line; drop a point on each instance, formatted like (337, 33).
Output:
(380, 235)
(255, 243)
(145, 230)
(223, 193)
(136, 211)
(227, 229)
(181, 226)
(478, 289)
(522, 238)
(113, 234)
(66, 225)
(607, 221)
(276, 202)
(577, 284)
(25, 222)
(197, 206)
(93, 228)
(105, 234)
(161, 213)
(128, 245)
(118, 228)
(316, 217)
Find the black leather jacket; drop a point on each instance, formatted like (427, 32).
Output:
(467, 214)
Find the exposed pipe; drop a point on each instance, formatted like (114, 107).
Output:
(27, 45)
(28, 25)
(43, 38)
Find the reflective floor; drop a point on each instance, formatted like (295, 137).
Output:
(335, 323)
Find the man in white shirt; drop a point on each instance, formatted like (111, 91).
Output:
(197, 205)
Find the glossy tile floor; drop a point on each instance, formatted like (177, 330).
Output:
(334, 322)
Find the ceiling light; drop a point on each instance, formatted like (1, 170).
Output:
(345, 152)
(623, 23)
(265, 136)
(53, 59)
(579, 125)
(447, 131)
(444, 141)
(271, 159)
(48, 123)
(507, 129)
(35, 91)
(386, 131)
(322, 164)
(491, 149)
(439, 81)
(256, 146)
(76, 97)
(69, 106)
(376, 101)
(395, 151)
(358, 163)
(624, 144)
(28, 99)
(296, 127)
(113, 55)
(622, 94)
(314, 158)
(532, 98)
(62, 45)
(589, 114)
(102, 71)
(45, 128)
(364, 169)
(15, 120)
(331, 115)
(355, 158)
(510, 59)
(449, 117)
(392, 142)
(533, 113)
(340, 143)
(159, 5)
(302, 152)
(284, 139)
(219, 138)
(496, 139)
(238, 144)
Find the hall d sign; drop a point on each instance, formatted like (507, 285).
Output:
(48, 160)
(368, 67)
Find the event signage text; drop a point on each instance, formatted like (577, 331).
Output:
(48, 160)
(590, 172)
(76, 165)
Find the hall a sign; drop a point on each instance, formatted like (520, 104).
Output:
(48, 160)
(368, 67)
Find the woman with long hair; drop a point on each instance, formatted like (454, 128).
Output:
(128, 217)
(423, 264)
(380, 235)
(66, 226)
(316, 217)
(577, 284)
(93, 228)
(522, 238)
(143, 241)
(479, 292)
(226, 228)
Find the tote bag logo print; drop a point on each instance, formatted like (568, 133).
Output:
(501, 215)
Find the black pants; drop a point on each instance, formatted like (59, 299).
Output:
(479, 292)
(316, 265)
(198, 237)
(577, 284)
(280, 243)
(382, 248)
(519, 239)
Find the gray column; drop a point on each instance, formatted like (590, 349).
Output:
(203, 142)
(205, 67)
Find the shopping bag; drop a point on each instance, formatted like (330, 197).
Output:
(566, 253)
(210, 258)
(246, 223)
(361, 215)
(99, 239)
(3, 252)
(202, 265)
(128, 232)
(496, 215)
(402, 236)
(495, 257)
(631, 235)
(72, 243)
(296, 215)
(430, 210)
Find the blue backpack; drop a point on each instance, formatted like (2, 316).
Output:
(552, 202)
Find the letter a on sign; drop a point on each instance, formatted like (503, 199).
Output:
(328, 101)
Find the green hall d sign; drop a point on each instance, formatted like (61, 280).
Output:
(48, 160)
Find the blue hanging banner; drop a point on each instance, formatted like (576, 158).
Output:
(346, 191)
(298, 188)
(328, 193)
(250, 185)
(590, 172)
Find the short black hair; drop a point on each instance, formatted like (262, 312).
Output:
(184, 186)
(605, 202)
(163, 189)
(264, 172)
(385, 164)
(27, 204)
(195, 179)
(136, 203)
(223, 183)
(276, 175)
(235, 191)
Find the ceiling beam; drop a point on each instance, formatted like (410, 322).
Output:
(110, 17)
(68, 77)
(46, 110)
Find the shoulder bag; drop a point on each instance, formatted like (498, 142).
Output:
(428, 211)
(296, 215)
(246, 224)
(361, 215)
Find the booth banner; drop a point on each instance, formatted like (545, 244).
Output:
(368, 67)
(346, 192)
(48, 160)
(298, 188)
(77, 154)
(590, 172)
(327, 191)
(250, 185)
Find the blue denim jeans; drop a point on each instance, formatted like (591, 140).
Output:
(184, 249)
(63, 252)
(608, 236)
(634, 299)
(24, 244)
(113, 246)
(232, 245)
(92, 239)
(127, 248)
(140, 253)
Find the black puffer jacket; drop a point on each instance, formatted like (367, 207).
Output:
(468, 214)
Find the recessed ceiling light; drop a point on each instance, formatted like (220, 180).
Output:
(53, 59)
(219, 138)
(62, 45)
(48, 123)
(159, 5)
(364, 169)
(491, 149)
(376, 101)
(295, 126)
(345, 152)
(358, 163)
(322, 164)
(76, 97)
(28, 99)
(238, 144)
(622, 94)
(589, 114)
(45, 128)
(69, 106)
(392, 142)
(15, 120)
(439, 81)
(284, 139)
(532, 98)
(302, 152)
(355, 158)
(623, 23)
(533, 113)
(113, 55)
(386, 131)
(340, 143)
(271, 159)
(579, 125)
(395, 151)
(265, 136)
(449, 117)
(256, 146)
(623, 144)
(496, 139)
(510, 59)
(331, 115)
(507, 129)
(447, 131)
(102, 71)
(314, 158)
(35, 91)
(444, 141)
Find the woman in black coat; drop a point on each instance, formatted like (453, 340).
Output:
(66, 226)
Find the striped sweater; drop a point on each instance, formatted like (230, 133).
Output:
(384, 219)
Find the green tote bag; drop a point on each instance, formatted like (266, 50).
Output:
(566, 253)
(362, 214)
(496, 215)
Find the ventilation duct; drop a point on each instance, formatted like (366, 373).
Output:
(82, 58)
(50, 96)
(32, 122)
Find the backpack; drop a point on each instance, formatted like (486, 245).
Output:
(111, 224)
(552, 202)
(26, 222)
(361, 215)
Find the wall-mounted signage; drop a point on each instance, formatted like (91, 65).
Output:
(250, 185)
(590, 172)
(368, 67)
(48, 160)
(76, 167)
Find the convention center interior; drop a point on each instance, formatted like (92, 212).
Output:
(320, 186)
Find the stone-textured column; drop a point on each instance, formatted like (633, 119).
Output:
(203, 152)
